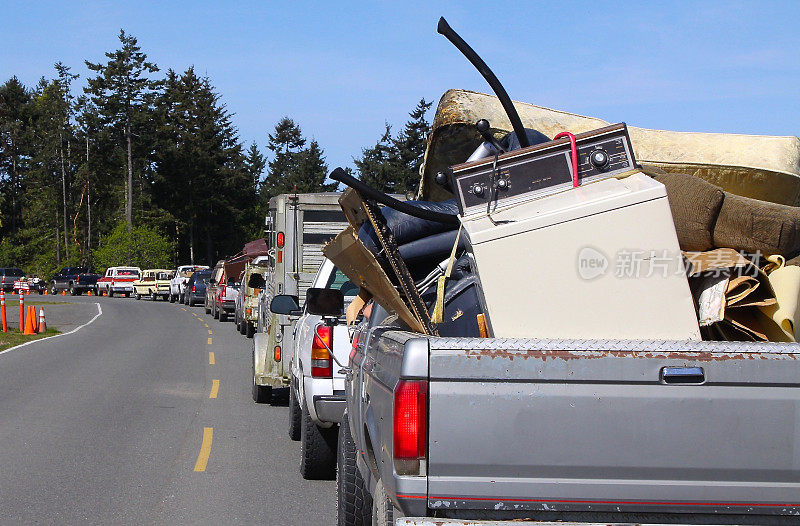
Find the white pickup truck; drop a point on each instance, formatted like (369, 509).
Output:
(316, 389)
(177, 285)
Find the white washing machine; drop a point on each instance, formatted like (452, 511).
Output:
(598, 261)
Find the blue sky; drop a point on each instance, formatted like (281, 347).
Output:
(342, 69)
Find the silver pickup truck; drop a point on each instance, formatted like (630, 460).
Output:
(469, 429)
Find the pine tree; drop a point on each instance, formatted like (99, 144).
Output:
(308, 171)
(286, 141)
(124, 95)
(254, 164)
(410, 147)
(392, 165)
(378, 165)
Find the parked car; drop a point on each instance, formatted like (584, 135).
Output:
(153, 283)
(211, 286)
(76, 280)
(196, 287)
(27, 285)
(177, 285)
(118, 280)
(225, 298)
(8, 275)
(252, 284)
(316, 390)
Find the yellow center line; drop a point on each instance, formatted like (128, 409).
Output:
(205, 449)
(183, 309)
(214, 389)
(209, 341)
(209, 331)
(211, 358)
(194, 314)
(206, 325)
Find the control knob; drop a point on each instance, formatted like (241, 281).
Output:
(477, 190)
(599, 158)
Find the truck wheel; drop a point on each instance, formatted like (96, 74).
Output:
(261, 393)
(110, 293)
(171, 298)
(383, 511)
(294, 416)
(53, 290)
(223, 315)
(353, 501)
(249, 329)
(206, 307)
(138, 296)
(72, 291)
(215, 311)
(317, 449)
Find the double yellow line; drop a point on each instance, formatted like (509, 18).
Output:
(208, 432)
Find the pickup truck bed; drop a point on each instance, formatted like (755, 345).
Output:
(554, 429)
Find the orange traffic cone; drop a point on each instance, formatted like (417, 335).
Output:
(63, 292)
(45, 292)
(89, 292)
(30, 322)
(42, 321)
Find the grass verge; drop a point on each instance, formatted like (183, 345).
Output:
(13, 337)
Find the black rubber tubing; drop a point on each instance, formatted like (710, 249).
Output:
(444, 29)
(367, 191)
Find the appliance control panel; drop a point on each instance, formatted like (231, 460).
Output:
(540, 170)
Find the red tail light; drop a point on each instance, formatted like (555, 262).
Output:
(321, 363)
(410, 419)
(194, 288)
(277, 353)
(281, 239)
(356, 337)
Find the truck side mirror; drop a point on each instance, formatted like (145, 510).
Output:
(256, 281)
(325, 302)
(284, 304)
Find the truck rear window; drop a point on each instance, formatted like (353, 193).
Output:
(341, 282)
(127, 273)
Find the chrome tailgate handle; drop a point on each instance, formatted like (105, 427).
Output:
(682, 375)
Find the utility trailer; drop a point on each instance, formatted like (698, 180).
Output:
(297, 227)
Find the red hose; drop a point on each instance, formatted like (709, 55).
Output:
(574, 149)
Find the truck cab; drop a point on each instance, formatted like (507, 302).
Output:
(118, 280)
(153, 283)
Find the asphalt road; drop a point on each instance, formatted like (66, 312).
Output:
(110, 424)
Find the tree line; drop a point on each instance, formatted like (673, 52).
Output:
(139, 167)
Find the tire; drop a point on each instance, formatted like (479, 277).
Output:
(249, 329)
(127, 294)
(171, 298)
(353, 501)
(206, 307)
(138, 296)
(294, 416)
(110, 293)
(215, 311)
(261, 393)
(53, 290)
(222, 315)
(72, 291)
(317, 448)
(383, 511)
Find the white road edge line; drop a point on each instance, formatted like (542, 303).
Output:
(76, 329)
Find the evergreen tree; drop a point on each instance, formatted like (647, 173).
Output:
(286, 141)
(254, 164)
(15, 132)
(379, 166)
(410, 147)
(308, 171)
(124, 95)
(392, 165)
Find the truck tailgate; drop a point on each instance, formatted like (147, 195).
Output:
(595, 425)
